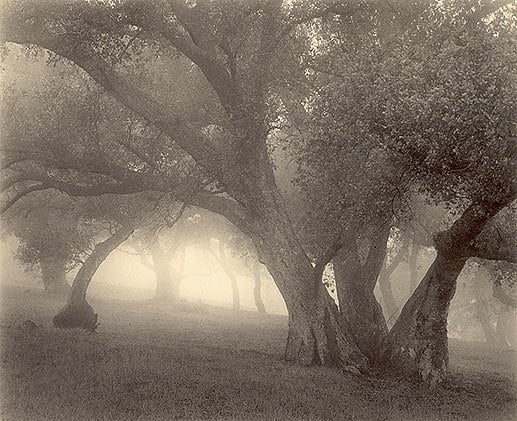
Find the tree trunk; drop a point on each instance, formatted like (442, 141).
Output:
(77, 313)
(491, 336)
(418, 341)
(166, 287)
(318, 334)
(53, 275)
(229, 272)
(355, 283)
(417, 344)
(257, 286)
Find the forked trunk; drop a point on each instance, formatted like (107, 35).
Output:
(317, 332)
(53, 275)
(77, 313)
(355, 283)
(358, 305)
(417, 344)
(257, 288)
(319, 335)
(167, 289)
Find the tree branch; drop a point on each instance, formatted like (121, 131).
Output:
(5, 206)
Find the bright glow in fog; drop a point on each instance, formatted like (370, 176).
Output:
(123, 277)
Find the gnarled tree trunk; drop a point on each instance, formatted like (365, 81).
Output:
(417, 344)
(53, 275)
(418, 340)
(77, 313)
(355, 283)
(318, 334)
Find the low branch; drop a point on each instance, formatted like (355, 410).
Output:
(4, 207)
(505, 252)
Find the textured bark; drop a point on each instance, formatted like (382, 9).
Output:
(53, 275)
(355, 283)
(77, 313)
(231, 276)
(418, 340)
(417, 344)
(318, 334)
(167, 289)
(257, 288)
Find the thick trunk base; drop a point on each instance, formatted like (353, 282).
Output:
(321, 336)
(358, 305)
(76, 316)
(417, 345)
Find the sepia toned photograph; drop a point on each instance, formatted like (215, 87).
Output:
(258, 210)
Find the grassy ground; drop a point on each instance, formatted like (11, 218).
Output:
(158, 362)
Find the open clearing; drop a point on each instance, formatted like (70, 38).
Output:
(150, 361)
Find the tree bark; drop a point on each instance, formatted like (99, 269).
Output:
(418, 341)
(77, 313)
(417, 344)
(355, 283)
(167, 289)
(257, 295)
(318, 334)
(53, 275)
(229, 272)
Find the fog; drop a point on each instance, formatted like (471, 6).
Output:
(123, 278)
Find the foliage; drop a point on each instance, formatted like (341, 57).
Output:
(48, 226)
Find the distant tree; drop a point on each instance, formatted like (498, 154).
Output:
(48, 227)
(157, 244)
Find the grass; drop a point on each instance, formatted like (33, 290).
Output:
(150, 362)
